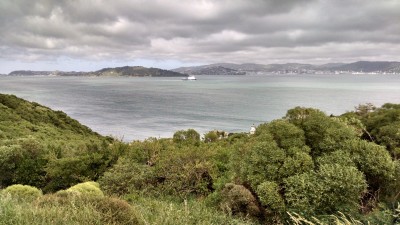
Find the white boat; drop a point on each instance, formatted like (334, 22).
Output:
(190, 77)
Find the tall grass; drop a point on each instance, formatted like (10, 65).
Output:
(66, 210)
(61, 209)
(14, 211)
(158, 211)
(340, 219)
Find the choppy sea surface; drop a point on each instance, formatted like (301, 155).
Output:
(138, 108)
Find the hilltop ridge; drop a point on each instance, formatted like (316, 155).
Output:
(128, 71)
(383, 67)
(360, 67)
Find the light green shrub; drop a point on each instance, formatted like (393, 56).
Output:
(89, 188)
(23, 192)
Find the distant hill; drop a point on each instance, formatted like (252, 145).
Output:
(214, 69)
(229, 69)
(136, 71)
(129, 71)
(249, 68)
(365, 66)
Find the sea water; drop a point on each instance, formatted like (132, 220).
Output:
(132, 108)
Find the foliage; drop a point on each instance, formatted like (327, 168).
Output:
(267, 162)
(22, 161)
(389, 136)
(285, 134)
(339, 157)
(89, 188)
(48, 149)
(187, 137)
(211, 136)
(238, 200)
(162, 211)
(23, 192)
(184, 172)
(270, 198)
(306, 163)
(330, 189)
(323, 134)
(89, 164)
(373, 160)
(126, 176)
(67, 209)
(116, 211)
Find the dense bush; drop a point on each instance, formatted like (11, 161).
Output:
(23, 192)
(270, 198)
(126, 177)
(116, 211)
(89, 188)
(331, 189)
(23, 161)
(184, 172)
(189, 136)
(373, 160)
(238, 200)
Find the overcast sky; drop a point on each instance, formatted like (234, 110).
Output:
(84, 35)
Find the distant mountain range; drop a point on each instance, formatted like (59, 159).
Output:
(361, 67)
(250, 68)
(128, 71)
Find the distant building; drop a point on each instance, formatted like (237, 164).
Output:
(252, 129)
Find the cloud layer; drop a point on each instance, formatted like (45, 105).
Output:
(199, 31)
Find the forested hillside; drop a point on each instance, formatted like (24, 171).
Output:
(306, 168)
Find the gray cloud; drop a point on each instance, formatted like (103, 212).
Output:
(261, 31)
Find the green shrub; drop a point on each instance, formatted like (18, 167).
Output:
(184, 172)
(268, 193)
(380, 215)
(337, 157)
(89, 188)
(22, 161)
(296, 162)
(373, 160)
(187, 137)
(116, 211)
(284, 133)
(211, 136)
(323, 134)
(238, 200)
(23, 192)
(93, 208)
(126, 176)
(263, 163)
(330, 189)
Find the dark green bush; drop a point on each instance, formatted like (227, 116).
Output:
(285, 134)
(187, 137)
(269, 194)
(330, 189)
(184, 172)
(211, 136)
(126, 176)
(373, 160)
(238, 200)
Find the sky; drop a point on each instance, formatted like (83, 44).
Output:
(87, 35)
